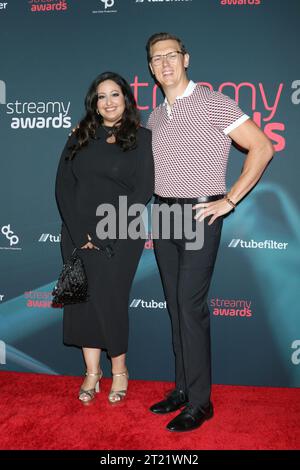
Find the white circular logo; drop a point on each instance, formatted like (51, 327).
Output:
(108, 3)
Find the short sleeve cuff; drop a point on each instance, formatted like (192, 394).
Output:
(236, 124)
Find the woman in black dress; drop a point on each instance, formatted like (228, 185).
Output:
(107, 156)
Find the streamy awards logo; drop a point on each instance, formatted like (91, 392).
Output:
(231, 308)
(261, 100)
(44, 114)
(47, 6)
(39, 115)
(38, 299)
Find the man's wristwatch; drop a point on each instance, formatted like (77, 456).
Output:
(233, 205)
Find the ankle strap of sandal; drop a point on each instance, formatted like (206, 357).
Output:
(99, 374)
(120, 374)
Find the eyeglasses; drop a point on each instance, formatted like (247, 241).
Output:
(171, 58)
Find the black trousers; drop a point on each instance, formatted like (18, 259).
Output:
(186, 275)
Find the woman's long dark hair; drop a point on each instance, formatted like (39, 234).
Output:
(126, 131)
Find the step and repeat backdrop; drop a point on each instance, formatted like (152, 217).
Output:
(50, 51)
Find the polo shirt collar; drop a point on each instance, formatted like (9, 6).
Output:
(187, 92)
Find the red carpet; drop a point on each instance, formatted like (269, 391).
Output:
(42, 412)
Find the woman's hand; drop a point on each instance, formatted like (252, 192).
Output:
(74, 129)
(89, 245)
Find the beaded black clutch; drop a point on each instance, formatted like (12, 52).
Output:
(72, 284)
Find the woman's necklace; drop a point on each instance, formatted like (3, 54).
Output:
(111, 139)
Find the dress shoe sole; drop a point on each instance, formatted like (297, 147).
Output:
(193, 428)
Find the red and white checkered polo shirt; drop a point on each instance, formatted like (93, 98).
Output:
(190, 142)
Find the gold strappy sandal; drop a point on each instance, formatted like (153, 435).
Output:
(88, 395)
(116, 396)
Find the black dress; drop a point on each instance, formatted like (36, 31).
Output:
(100, 173)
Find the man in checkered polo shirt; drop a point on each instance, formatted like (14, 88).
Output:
(192, 133)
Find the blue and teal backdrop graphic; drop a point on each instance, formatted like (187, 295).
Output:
(50, 52)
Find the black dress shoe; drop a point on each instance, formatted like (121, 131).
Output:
(190, 418)
(174, 401)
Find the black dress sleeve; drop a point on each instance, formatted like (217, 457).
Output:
(65, 193)
(144, 175)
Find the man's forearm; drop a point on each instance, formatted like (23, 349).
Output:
(254, 166)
